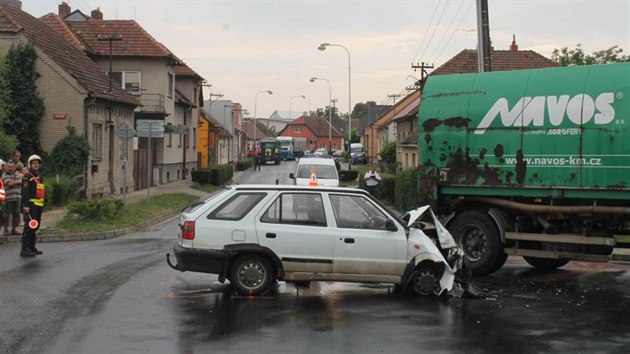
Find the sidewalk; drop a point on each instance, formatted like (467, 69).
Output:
(51, 218)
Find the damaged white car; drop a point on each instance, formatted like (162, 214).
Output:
(253, 235)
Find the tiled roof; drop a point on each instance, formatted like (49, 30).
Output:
(319, 126)
(500, 60)
(72, 60)
(135, 40)
(57, 24)
(185, 70)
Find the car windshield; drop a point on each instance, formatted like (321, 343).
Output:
(322, 171)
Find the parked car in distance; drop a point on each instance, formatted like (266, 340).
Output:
(253, 235)
(337, 153)
(325, 171)
(359, 158)
(320, 152)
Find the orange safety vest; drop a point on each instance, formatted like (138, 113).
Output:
(40, 193)
(3, 193)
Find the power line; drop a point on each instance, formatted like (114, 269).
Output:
(426, 31)
(439, 44)
(436, 27)
(455, 30)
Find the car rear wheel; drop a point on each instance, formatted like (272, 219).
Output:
(251, 275)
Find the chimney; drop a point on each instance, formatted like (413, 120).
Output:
(97, 14)
(514, 47)
(64, 9)
(14, 3)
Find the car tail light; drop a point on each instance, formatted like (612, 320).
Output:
(188, 230)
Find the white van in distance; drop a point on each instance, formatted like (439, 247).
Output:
(316, 171)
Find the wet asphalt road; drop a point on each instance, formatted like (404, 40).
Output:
(119, 296)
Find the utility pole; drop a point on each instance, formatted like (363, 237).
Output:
(110, 124)
(483, 35)
(423, 72)
(394, 96)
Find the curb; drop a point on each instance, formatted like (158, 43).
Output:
(105, 235)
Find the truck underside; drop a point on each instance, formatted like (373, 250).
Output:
(547, 232)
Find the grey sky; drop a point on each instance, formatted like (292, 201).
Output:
(243, 47)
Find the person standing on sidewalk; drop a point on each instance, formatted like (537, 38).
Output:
(372, 180)
(33, 194)
(12, 180)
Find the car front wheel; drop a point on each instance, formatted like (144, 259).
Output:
(251, 275)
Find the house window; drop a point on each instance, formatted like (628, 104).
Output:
(97, 141)
(333, 146)
(194, 95)
(169, 142)
(414, 160)
(194, 138)
(130, 81)
(171, 84)
(297, 128)
(179, 144)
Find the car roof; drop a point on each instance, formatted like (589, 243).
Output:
(317, 161)
(290, 187)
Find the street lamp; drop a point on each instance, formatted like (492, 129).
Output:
(313, 79)
(256, 113)
(322, 47)
(291, 99)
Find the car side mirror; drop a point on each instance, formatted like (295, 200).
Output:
(291, 175)
(389, 225)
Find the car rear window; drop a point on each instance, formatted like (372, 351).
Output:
(296, 208)
(194, 206)
(237, 206)
(322, 171)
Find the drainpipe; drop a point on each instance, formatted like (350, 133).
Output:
(87, 103)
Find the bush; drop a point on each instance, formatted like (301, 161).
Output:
(406, 190)
(244, 164)
(96, 209)
(201, 176)
(388, 157)
(345, 175)
(61, 190)
(70, 154)
(221, 174)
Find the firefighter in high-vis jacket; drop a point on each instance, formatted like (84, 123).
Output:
(33, 194)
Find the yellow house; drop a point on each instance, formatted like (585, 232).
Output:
(208, 133)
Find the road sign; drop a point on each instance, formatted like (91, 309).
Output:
(125, 130)
(150, 127)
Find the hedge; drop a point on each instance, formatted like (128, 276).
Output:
(216, 175)
(406, 190)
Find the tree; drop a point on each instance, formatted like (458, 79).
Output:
(70, 154)
(565, 56)
(21, 108)
(361, 108)
(388, 156)
(8, 143)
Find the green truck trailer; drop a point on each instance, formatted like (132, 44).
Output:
(530, 162)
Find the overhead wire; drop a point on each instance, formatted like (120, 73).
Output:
(455, 30)
(435, 29)
(426, 31)
(448, 28)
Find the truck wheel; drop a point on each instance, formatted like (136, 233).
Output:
(479, 237)
(545, 263)
(251, 275)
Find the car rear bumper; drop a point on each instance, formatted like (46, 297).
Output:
(203, 261)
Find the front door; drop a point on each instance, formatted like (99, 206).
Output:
(362, 244)
(294, 226)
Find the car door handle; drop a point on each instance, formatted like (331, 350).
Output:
(270, 235)
(348, 240)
